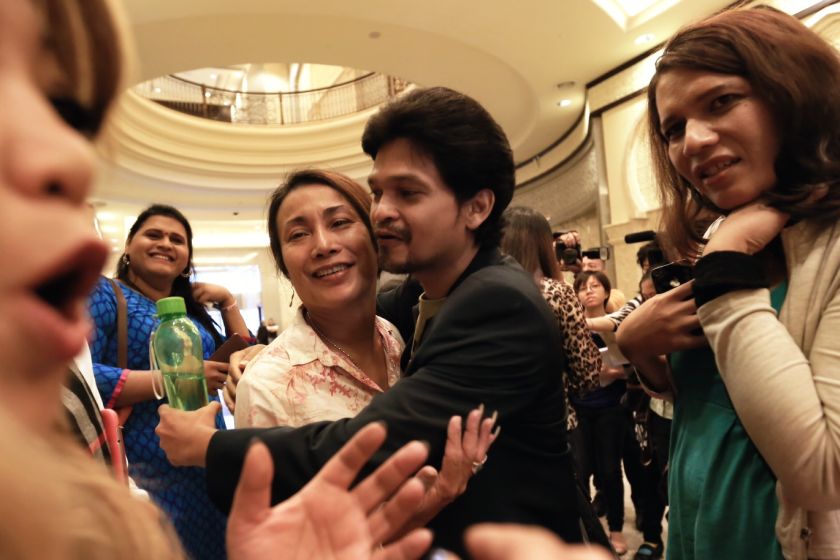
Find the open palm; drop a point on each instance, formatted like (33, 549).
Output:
(326, 519)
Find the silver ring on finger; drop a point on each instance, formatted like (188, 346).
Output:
(478, 465)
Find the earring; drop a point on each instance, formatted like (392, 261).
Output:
(186, 273)
(124, 260)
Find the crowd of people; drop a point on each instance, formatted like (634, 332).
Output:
(472, 408)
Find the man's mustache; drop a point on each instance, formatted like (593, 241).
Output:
(388, 230)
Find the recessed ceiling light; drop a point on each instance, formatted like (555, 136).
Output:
(644, 39)
(206, 94)
(157, 90)
(374, 34)
(565, 102)
(213, 76)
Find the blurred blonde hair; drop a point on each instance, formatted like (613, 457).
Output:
(89, 41)
(60, 503)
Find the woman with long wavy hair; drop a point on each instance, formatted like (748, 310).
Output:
(744, 114)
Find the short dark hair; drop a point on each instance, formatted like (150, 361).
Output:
(791, 69)
(355, 194)
(583, 276)
(469, 148)
(648, 250)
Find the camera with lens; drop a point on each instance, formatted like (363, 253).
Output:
(571, 255)
(568, 255)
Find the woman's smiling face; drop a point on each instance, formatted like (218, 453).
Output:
(159, 249)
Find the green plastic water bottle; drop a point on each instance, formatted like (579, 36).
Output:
(177, 351)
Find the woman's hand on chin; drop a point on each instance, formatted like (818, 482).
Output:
(748, 229)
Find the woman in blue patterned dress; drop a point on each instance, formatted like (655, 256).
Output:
(157, 263)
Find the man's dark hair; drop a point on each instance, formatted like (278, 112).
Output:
(469, 149)
(650, 252)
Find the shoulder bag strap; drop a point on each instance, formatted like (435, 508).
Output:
(122, 325)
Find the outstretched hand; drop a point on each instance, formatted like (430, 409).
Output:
(464, 455)
(326, 519)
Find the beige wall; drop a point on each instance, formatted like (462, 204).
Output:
(567, 192)
(633, 201)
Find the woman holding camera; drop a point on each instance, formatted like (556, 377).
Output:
(745, 121)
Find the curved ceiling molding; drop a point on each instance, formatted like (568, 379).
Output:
(558, 154)
(568, 191)
(420, 57)
(509, 56)
(150, 139)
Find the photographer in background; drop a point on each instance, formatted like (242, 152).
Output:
(571, 258)
(567, 251)
(648, 256)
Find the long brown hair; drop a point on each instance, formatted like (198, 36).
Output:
(791, 69)
(526, 237)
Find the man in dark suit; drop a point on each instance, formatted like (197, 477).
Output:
(480, 333)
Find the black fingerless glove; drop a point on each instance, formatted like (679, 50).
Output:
(726, 271)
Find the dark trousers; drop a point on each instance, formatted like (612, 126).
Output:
(598, 445)
(659, 432)
(633, 468)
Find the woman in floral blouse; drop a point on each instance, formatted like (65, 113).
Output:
(337, 354)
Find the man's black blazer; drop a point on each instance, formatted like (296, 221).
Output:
(494, 341)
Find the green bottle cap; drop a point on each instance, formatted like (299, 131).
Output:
(171, 306)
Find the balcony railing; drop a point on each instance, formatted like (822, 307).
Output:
(278, 108)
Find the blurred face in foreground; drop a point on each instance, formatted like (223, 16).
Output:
(52, 256)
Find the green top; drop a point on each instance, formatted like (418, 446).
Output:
(171, 306)
(722, 495)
